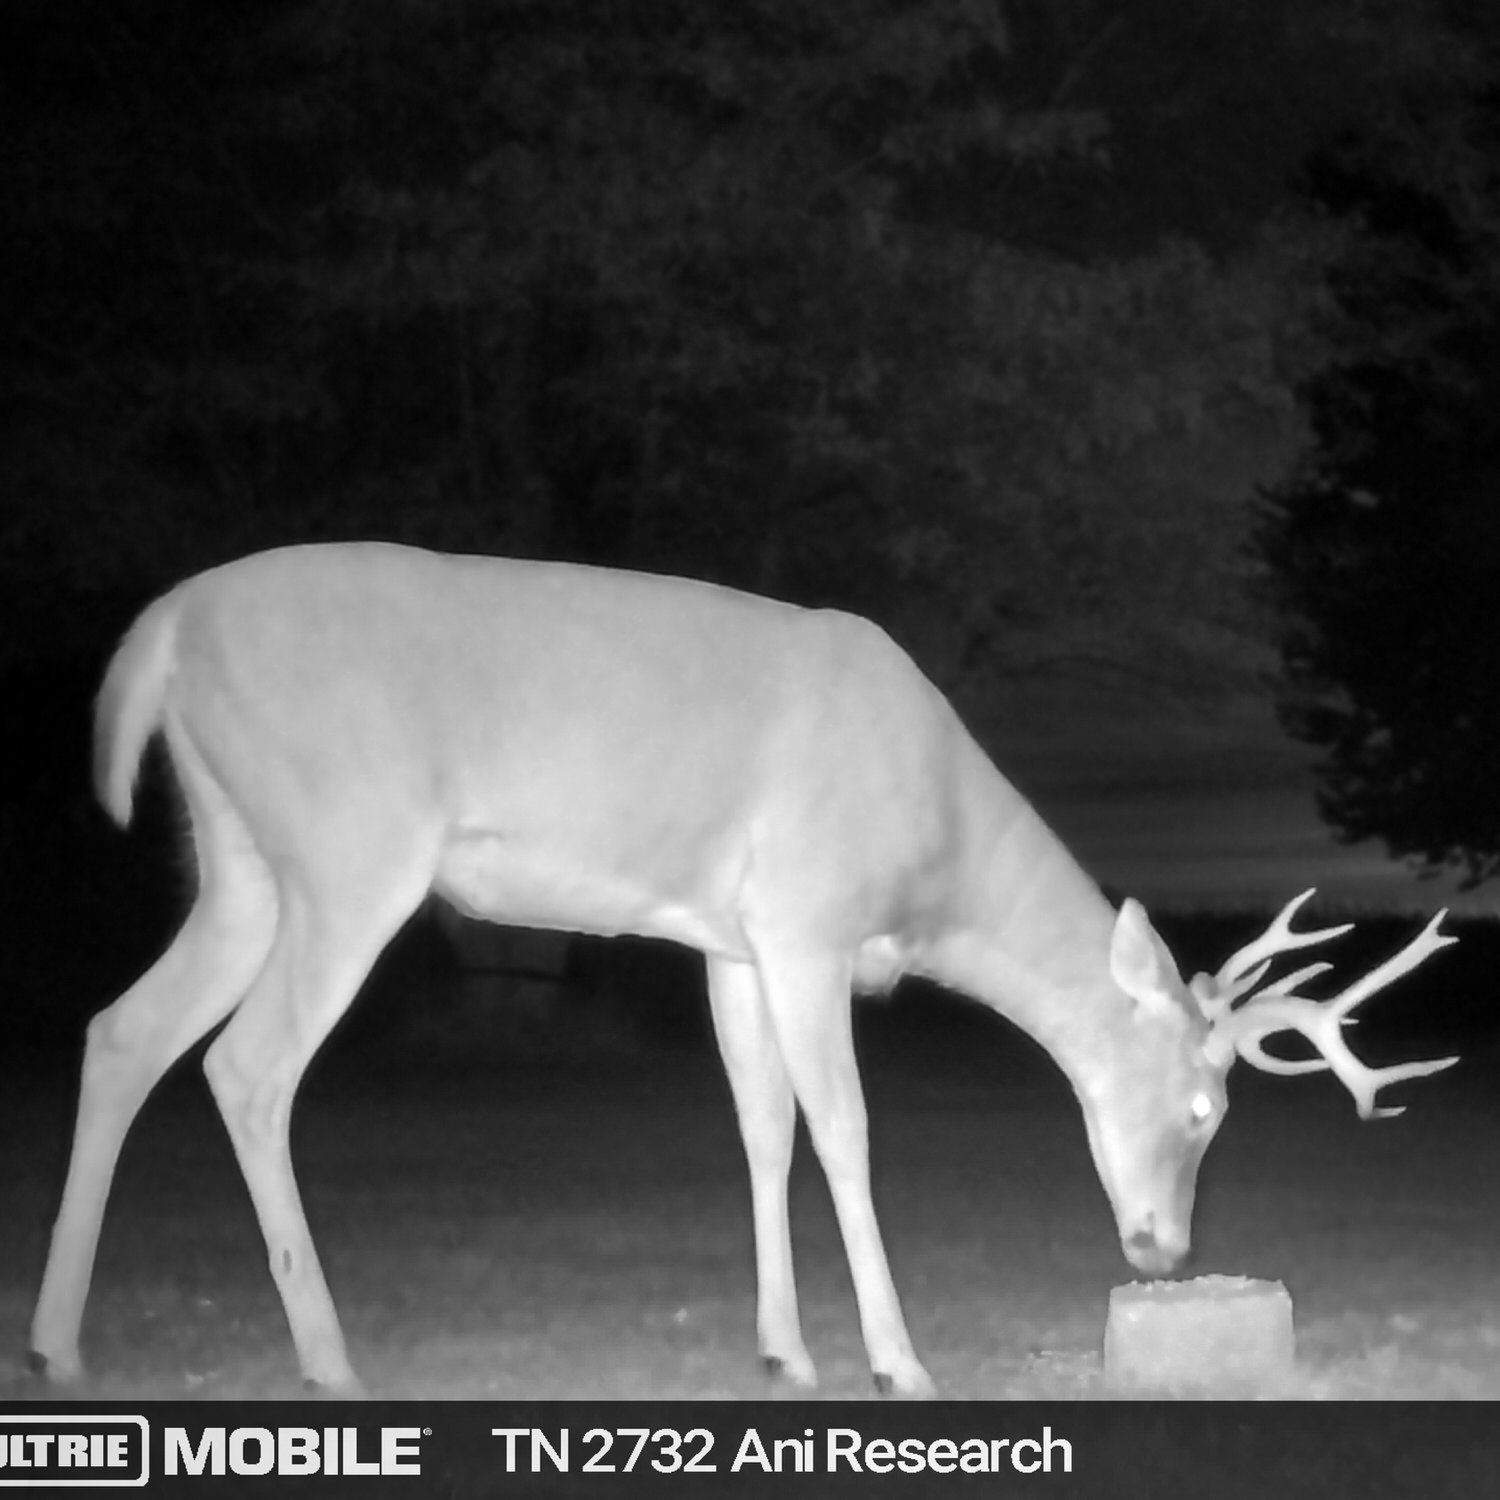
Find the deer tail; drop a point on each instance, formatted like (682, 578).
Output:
(129, 709)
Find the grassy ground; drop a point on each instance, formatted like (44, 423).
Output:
(584, 1231)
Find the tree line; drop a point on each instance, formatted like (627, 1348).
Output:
(992, 320)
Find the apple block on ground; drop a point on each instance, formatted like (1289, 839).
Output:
(1212, 1336)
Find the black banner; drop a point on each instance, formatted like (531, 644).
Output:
(1216, 1451)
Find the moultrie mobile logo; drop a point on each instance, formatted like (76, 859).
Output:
(69, 1452)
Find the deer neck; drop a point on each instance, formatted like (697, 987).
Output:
(1027, 933)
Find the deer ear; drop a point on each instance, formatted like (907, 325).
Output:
(1139, 962)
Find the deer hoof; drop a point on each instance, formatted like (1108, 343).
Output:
(914, 1384)
(797, 1372)
(53, 1371)
(349, 1388)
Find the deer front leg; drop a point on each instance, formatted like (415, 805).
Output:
(808, 996)
(768, 1117)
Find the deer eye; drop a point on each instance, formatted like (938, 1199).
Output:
(1201, 1108)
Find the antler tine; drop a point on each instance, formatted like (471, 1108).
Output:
(1427, 942)
(1277, 938)
(1288, 983)
(1322, 1022)
(1217, 1002)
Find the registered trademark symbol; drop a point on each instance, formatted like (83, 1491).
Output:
(427, 1432)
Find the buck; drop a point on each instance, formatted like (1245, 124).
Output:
(356, 726)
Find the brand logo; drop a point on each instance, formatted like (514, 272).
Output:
(292, 1450)
(62, 1452)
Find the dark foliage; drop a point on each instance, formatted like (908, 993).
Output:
(990, 308)
(1394, 656)
(1386, 551)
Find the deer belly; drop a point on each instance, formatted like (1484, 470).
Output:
(497, 880)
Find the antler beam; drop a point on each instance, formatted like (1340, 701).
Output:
(1277, 1008)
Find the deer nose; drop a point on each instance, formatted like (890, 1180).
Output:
(1147, 1253)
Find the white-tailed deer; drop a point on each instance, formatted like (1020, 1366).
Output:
(356, 726)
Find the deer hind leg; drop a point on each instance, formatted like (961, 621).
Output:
(332, 928)
(193, 986)
(768, 1119)
(807, 993)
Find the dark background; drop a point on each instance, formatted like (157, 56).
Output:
(1131, 363)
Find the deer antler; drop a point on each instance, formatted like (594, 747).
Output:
(1276, 1008)
(1244, 969)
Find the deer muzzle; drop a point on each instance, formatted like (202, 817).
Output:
(1154, 1252)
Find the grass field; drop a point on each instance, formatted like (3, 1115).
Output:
(584, 1230)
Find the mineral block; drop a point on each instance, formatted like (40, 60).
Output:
(1212, 1336)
